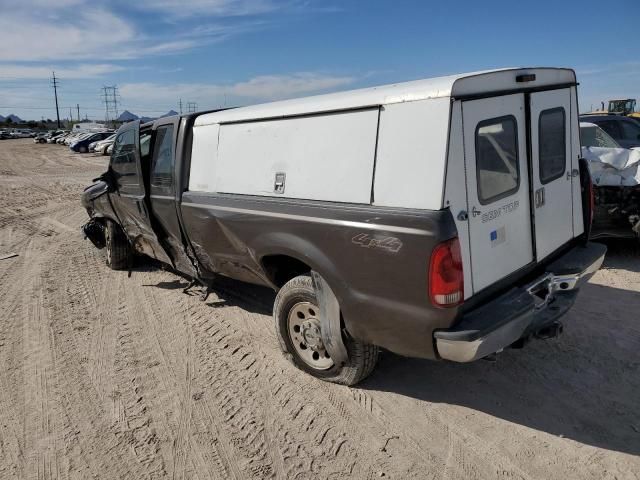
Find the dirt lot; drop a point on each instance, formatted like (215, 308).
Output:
(104, 376)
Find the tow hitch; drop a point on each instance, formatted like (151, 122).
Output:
(550, 331)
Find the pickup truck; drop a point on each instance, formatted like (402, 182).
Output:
(445, 218)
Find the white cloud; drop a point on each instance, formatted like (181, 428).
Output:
(77, 30)
(85, 33)
(28, 72)
(219, 8)
(261, 88)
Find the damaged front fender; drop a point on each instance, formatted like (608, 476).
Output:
(94, 231)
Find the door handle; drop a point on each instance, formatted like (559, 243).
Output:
(573, 173)
(539, 197)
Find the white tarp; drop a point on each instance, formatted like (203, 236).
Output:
(613, 166)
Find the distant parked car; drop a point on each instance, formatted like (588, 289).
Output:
(624, 130)
(21, 134)
(102, 145)
(82, 144)
(73, 137)
(5, 135)
(40, 138)
(56, 136)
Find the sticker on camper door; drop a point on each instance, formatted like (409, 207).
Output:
(498, 236)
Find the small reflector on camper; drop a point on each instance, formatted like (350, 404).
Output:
(528, 77)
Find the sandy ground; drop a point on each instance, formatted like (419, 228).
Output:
(104, 376)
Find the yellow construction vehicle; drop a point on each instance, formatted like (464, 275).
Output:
(625, 107)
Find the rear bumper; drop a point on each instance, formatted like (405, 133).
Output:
(523, 311)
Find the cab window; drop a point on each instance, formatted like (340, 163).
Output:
(498, 171)
(552, 149)
(123, 163)
(163, 160)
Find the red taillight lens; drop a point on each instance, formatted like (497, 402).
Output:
(446, 280)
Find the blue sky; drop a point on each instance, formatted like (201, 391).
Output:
(236, 52)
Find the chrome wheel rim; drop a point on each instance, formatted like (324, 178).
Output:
(303, 324)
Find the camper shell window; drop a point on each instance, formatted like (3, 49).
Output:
(498, 171)
(552, 145)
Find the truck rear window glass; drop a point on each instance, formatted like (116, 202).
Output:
(552, 145)
(497, 166)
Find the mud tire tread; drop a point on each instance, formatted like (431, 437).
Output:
(118, 245)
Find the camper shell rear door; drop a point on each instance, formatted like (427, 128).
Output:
(520, 179)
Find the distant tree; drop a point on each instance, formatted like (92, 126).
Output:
(8, 120)
(49, 120)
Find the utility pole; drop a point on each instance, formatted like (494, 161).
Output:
(192, 107)
(54, 82)
(110, 97)
(180, 105)
(71, 115)
(78, 107)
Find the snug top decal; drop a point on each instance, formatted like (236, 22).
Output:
(503, 210)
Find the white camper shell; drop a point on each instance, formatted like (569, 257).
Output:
(500, 149)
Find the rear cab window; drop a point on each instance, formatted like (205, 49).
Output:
(498, 170)
(552, 146)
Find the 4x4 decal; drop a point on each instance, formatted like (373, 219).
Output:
(391, 244)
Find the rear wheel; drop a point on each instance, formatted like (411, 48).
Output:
(83, 149)
(296, 315)
(117, 249)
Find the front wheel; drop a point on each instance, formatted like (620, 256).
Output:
(298, 326)
(117, 249)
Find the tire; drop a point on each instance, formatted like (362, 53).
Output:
(298, 295)
(117, 249)
(83, 149)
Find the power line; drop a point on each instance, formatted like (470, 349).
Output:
(55, 93)
(192, 107)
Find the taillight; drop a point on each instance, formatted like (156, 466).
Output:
(446, 280)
